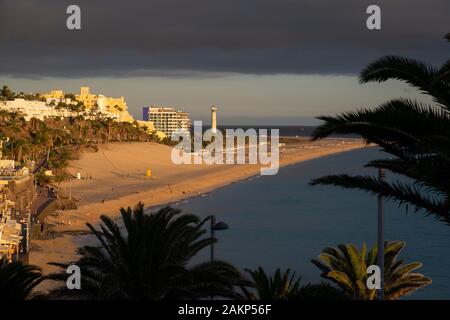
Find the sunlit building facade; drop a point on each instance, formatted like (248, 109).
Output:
(167, 119)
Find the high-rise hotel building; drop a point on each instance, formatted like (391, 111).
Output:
(167, 120)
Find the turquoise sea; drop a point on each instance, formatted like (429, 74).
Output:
(281, 221)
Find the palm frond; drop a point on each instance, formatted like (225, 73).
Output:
(351, 273)
(150, 258)
(417, 74)
(400, 120)
(17, 280)
(400, 192)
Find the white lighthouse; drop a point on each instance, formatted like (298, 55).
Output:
(214, 119)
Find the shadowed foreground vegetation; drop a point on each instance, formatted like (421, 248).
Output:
(150, 258)
(346, 267)
(17, 280)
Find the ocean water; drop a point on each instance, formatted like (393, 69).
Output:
(281, 221)
(285, 131)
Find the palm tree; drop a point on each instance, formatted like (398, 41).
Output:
(21, 146)
(284, 286)
(416, 136)
(94, 112)
(280, 286)
(346, 266)
(151, 260)
(17, 280)
(7, 93)
(118, 110)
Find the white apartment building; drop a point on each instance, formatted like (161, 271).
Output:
(167, 120)
(102, 102)
(34, 109)
(40, 109)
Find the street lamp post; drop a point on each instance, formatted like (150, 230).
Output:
(381, 176)
(215, 226)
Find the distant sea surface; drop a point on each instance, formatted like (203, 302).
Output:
(285, 131)
(281, 221)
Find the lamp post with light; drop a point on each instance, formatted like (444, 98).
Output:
(380, 258)
(215, 226)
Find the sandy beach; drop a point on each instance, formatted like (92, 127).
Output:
(114, 177)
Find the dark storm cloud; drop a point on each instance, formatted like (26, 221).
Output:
(181, 37)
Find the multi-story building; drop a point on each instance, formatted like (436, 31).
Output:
(114, 107)
(16, 195)
(34, 109)
(56, 96)
(19, 182)
(166, 119)
(10, 231)
(107, 107)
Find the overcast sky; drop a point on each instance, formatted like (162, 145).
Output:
(260, 61)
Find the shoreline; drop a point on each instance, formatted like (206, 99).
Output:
(70, 226)
(244, 179)
(219, 176)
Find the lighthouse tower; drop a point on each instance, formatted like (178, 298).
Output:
(214, 119)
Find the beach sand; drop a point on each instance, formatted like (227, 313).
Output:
(114, 177)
